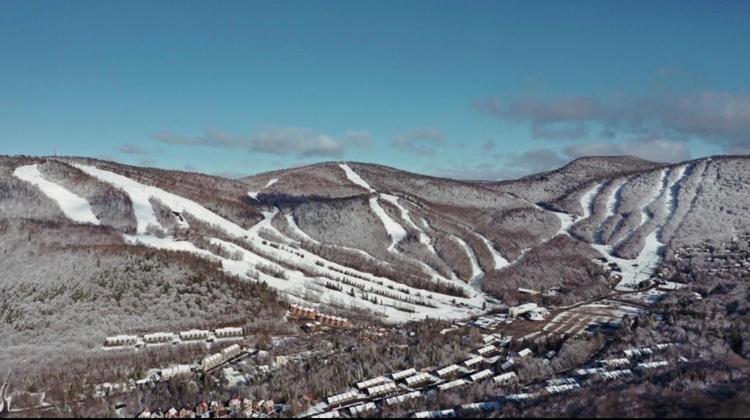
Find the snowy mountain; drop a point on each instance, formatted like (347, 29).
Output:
(357, 238)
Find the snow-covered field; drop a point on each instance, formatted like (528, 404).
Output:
(74, 207)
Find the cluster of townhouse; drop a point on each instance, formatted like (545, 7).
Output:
(601, 370)
(161, 338)
(318, 319)
(412, 384)
(235, 407)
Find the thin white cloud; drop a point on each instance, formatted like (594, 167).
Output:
(421, 142)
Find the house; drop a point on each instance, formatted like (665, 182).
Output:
(192, 335)
(201, 408)
(483, 374)
(417, 379)
(399, 399)
(473, 361)
(175, 371)
(229, 332)
(120, 340)
(378, 390)
(145, 414)
(487, 350)
(530, 311)
(362, 408)
(507, 364)
(158, 338)
(186, 414)
(525, 352)
(235, 405)
(171, 413)
(403, 374)
(447, 371)
(453, 384)
(372, 382)
(506, 378)
(342, 398)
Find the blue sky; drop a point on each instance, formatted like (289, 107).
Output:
(464, 89)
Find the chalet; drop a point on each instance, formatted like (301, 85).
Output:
(384, 389)
(186, 414)
(483, 374)
(453, 384)
(120, 340)
(487, 350)
(506, 378)
(615, 362)
(372, 382)
(403, 374)
(399, 399)
(417, 379)
(229, 332)
(448, 371)
(507, 364)
(560, 389)
(362, 409)
(175, 371)
(435, 414)
(525, 352)
(158, 338)
(211, 361)
(530, 311)
(653, 365)
(474, 361)
(192, 335)
(616, 374)
(201, 408)
(342, 398)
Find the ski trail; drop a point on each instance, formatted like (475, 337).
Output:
(500, 261)
(613, 204)
(254, 194)
(587, 201)
(395, 301)
(394, 230)
(642, 267)
(355, 178)
(476, 271)
(74, 207)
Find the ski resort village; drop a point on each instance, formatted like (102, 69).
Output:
(352, 290)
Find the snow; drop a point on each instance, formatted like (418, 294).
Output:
(254, 194)
(296, 229)
(587, 200)
(74, 207)
(355, 178)
(395, 230)
(642, 267)
(296, 285)
(500, 261)
(476, 271)
(423, 237)
(612, 202)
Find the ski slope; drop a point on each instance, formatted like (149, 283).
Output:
(74, 207)
(394, 301)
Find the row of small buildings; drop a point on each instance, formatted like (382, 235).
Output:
(174, 338)
(311, 314)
